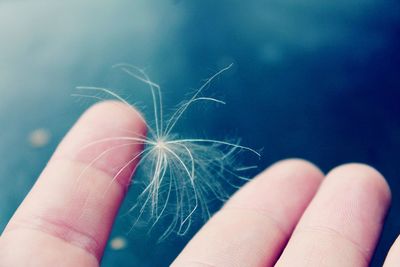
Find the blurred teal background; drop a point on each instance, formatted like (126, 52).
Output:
(313, 79)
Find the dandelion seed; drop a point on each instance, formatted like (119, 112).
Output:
(180, 175)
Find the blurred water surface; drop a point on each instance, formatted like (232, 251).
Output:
(312, 79)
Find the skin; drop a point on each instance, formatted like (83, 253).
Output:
(289, 215)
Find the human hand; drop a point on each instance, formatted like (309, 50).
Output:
(289, 215)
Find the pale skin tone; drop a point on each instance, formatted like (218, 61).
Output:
(289, 215)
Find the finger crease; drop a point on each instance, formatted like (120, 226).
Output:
(329, 230)
(62, 231)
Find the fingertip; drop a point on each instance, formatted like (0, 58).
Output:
(299, 164)
(292, 175)
(109, 129)
(291, 182)
(115, 113)
(298, 173)
(364, 177)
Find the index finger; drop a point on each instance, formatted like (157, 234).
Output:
(66, 218)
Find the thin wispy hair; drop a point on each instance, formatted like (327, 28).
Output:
(180, 175)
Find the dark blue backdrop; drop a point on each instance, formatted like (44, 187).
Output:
(312, 79)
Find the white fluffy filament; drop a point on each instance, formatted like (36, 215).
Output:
(181, 175)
